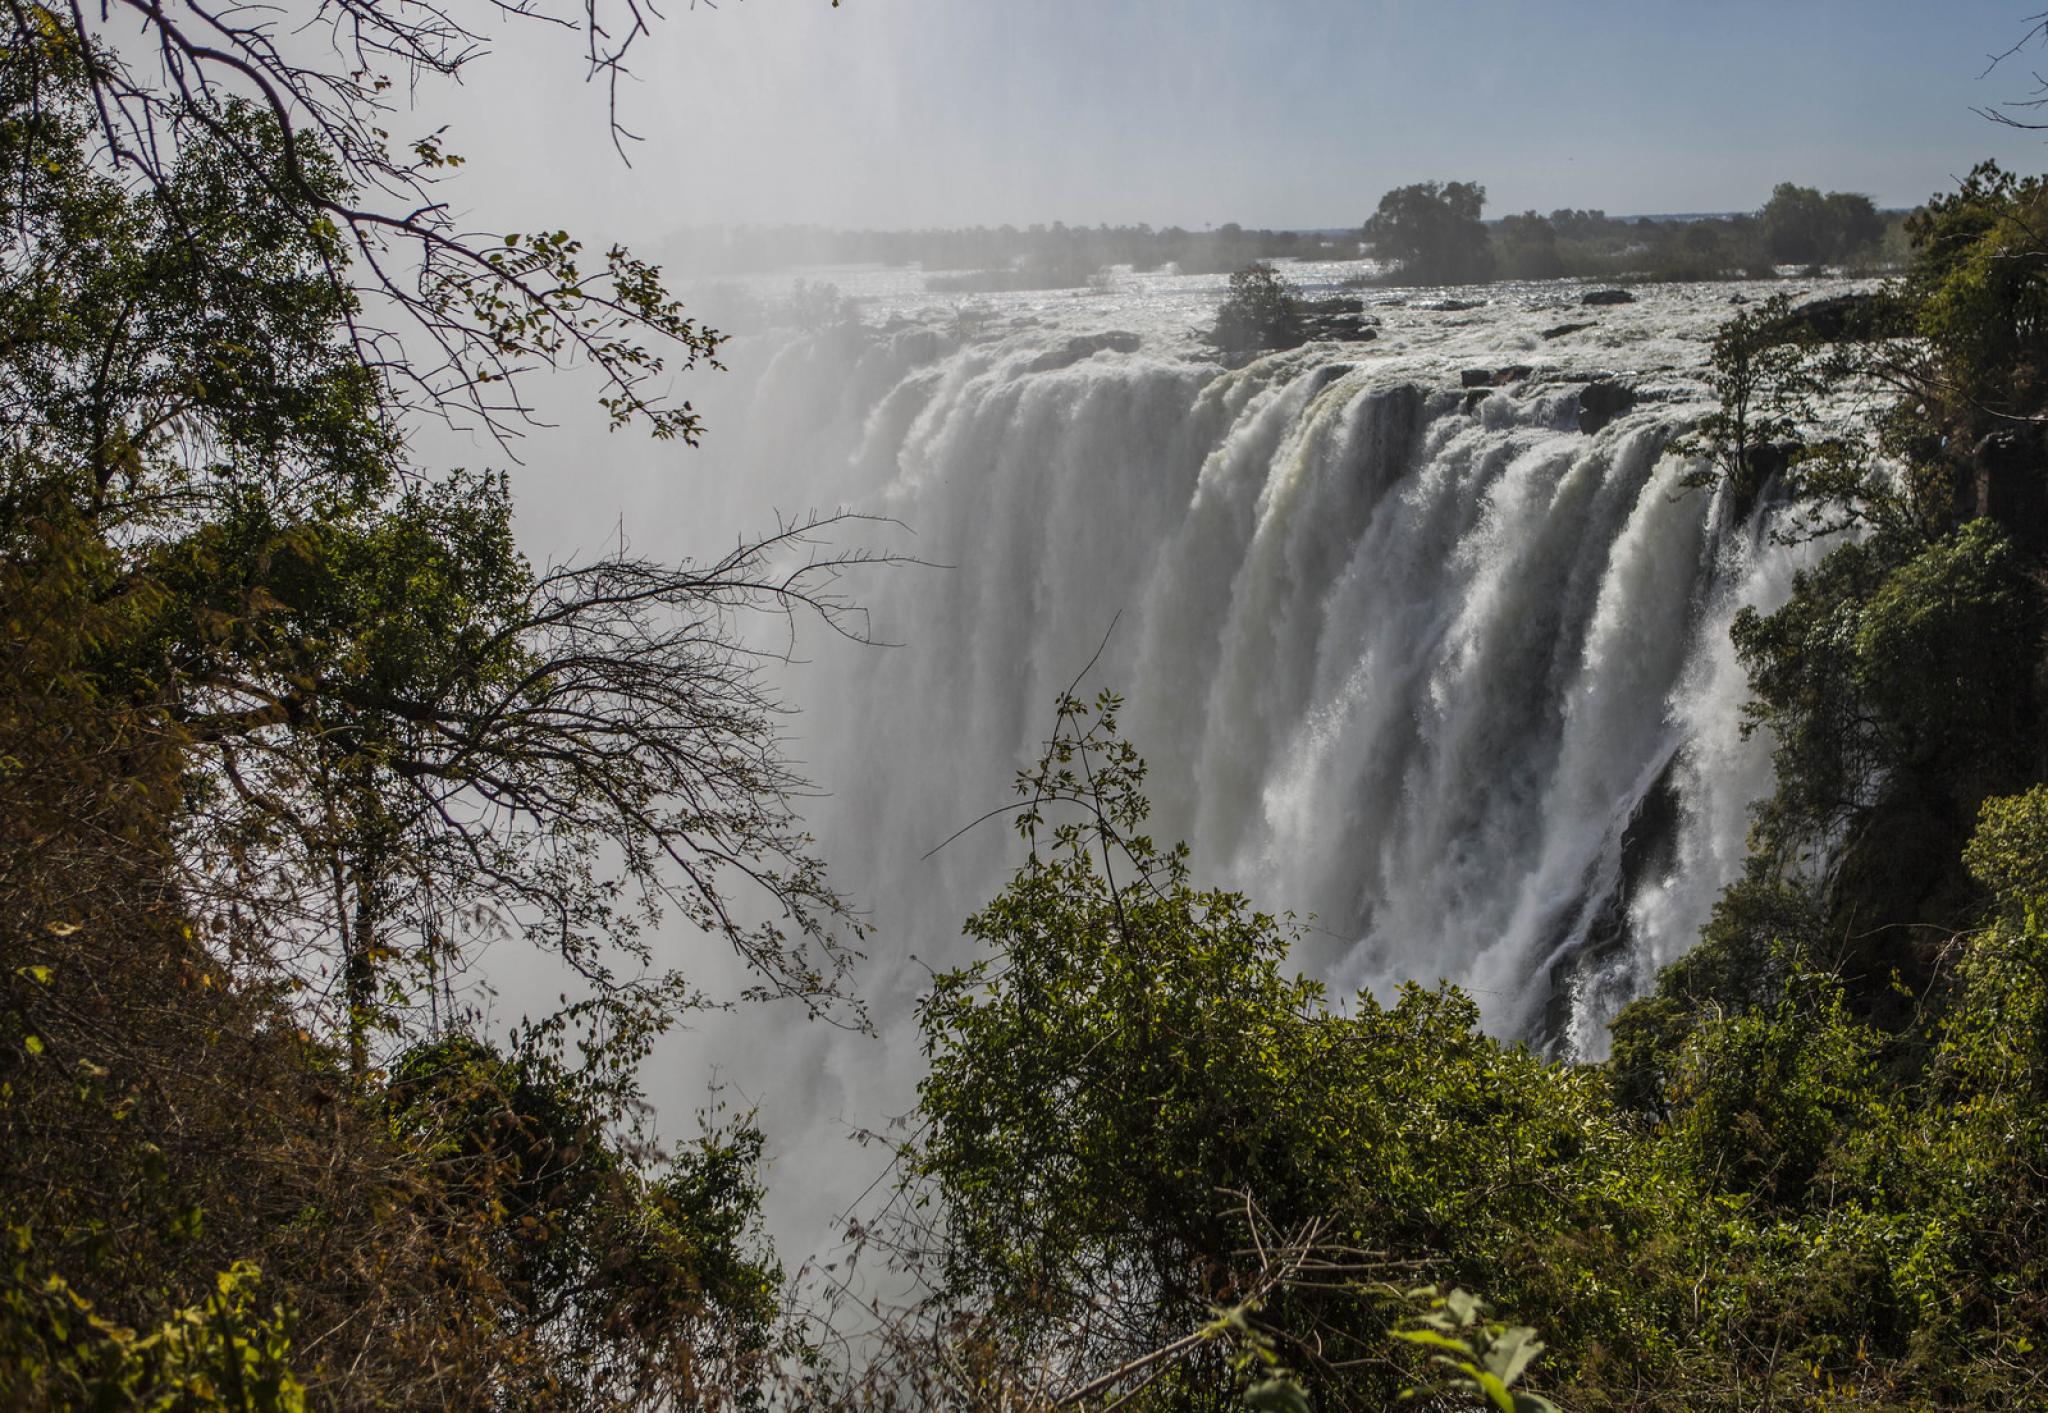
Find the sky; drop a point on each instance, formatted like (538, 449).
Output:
(1283, 113)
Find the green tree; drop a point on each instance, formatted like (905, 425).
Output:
(397, 734)
(644, 1286)
(1975, 285)
(1853, 224)
(449, 319)
(1796, 225)
(1432, 230)
(1261, 312)
(1803, 227)
(1130, 1099)
(1527, 247)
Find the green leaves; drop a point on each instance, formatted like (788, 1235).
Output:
(1484, 1356)
(1130, 1073)
(1262, 311)
(1280, 1395)
(223, 1352)
(1433, 230)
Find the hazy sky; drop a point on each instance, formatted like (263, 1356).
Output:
(1268, 112)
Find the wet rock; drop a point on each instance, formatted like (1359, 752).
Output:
(1119, 340)
(1475, 397)
(1607, 296)
(1084, 346)
(2002, 480)
(1494, 377)
(1339, 326)
(1601, 402)
(1562, 329)
(1762, 465)
(1836, 317)
(920, 343)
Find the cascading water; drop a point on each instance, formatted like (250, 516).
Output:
(1435, 666)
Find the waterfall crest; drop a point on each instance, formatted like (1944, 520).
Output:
(1403, 658)
(1437, 668)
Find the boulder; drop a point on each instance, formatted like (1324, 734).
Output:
(1601, 402)
(1117, 340)
(1476, 378)
(1835, 317)
(1514, 373)
(1084, 346)
(1562, 329)
(1762, 463)
(1339, 326)
(2002, 479)
(1607, 296)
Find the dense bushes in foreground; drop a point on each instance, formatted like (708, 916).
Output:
(1135, 1119)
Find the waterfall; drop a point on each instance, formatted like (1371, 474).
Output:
(1435, 667)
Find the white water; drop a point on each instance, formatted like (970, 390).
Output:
(1404, 662)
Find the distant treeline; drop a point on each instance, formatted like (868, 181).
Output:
(1055, 256)
(1432, 234)
(1431, 231)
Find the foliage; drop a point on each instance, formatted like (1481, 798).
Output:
(1761, 1097)
(1130, 1054)
(1761, 933)
(1432, 229)
(382, 707)
(1802, 227)
(225, 1353)
(1768, 375)
(1977, 287)
(1527, 246)
(1261, 312)
(448, 321)
(641, 1287)
(170, 1116)
(1134, 1117)
(288, 728)
(1484, 1356)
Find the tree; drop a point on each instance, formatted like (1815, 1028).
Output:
(289, 724)
(1796, 225)
(399, 734)
(449, 319)
(1528, 248)
(1432, 230)
(1131, 1104)
(1853, 223)
(644, 1288)
(1261, 312)
(1802, 227)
